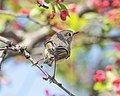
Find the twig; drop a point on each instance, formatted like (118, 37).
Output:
(48, 77)
(4, 40)
(15, 47)
(2, 49)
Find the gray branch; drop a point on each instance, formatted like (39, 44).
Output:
(22, 50)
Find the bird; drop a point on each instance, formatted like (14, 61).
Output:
(58, 47)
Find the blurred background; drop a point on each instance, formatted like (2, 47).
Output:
(93, 67)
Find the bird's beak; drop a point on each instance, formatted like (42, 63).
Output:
(75, 33)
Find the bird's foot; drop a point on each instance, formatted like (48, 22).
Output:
(51, 79)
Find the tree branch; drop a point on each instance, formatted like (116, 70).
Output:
(5, 12)
(22, 50)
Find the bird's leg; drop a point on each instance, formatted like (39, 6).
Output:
(54, 72)
(54, 69)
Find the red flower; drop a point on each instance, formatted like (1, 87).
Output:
(52, 15)
(115, 3)
(106, 4)
(57, 1)
(117, 46)
(109, 68)
(99, 72)
(97, 3)
(117, 61)
(99, 76)
(116, 84)
(63, 15)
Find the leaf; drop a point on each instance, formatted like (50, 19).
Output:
(53, 8)
(76, 23)
(34, 11)
(47, 1)
(63, 6)
(58, 7)
(35, 0)
(100, 86)
(2, 25)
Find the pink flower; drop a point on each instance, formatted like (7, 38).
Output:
(47, 92)
(72, 7)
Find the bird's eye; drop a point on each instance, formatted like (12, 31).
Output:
(69, 34)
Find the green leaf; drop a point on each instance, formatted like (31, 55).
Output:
(34, 11)
(53, 8)
(35, 0)
(63, 6)
(76, 23)
(59, 8)
(100, 86)
(47, 1)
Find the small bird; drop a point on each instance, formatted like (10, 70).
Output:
(58, 47)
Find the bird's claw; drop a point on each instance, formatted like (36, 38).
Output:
(51, 79)
(46, 78)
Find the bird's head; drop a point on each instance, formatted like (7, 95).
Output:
(68, 34)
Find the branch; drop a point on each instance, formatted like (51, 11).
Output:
(48, 77)
(22, 50)
(4, 40)
(5, 12)
(84, 8)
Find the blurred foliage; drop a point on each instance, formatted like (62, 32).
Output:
(76, 70)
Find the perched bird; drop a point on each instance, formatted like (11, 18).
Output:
(58, 47)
